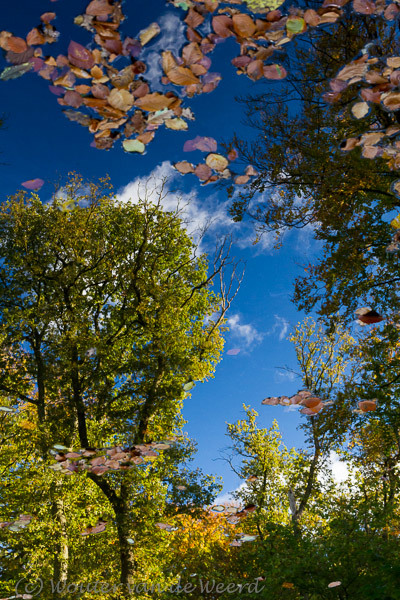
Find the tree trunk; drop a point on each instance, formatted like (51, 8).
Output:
(126, 553)
(61, 556)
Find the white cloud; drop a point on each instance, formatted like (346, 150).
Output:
(339, 471)
(227, 497)
(245, 332)
(281, 375)
(197, 213)
(291, 408)
(280, 327)
(339, 468)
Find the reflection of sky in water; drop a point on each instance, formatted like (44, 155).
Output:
(39, 142)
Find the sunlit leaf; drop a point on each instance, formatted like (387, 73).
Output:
(216, 162)
(149, 33)
(176, 124)
(182, 76)
(184, 167)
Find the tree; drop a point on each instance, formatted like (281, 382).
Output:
(306, 179)
(103, 305)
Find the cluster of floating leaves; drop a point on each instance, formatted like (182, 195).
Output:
(380, 85)
(119, 103)
(311, 403)
(18, 525)
(101, 460)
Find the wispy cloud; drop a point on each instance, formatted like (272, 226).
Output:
(245, 332)
(227, 497)
(197, 213)
(279, 328)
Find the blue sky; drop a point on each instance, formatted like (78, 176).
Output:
(38, 141)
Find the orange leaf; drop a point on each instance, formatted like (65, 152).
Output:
(182, 76)
(34, 37)
(192, 53)
(168, 61)
(16, 44)
(153, 102)
(99, 8)
(243, 25)
(47, 17)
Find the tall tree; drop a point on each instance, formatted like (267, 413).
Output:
(105, 304)
(306, 179)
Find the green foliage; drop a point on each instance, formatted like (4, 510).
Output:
(103, 309)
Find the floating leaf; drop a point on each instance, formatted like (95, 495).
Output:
(360, 109)
(16, 44)
(78, 117)
(367, 405)
(99, 8)
(16, 71)
(47, 17)
(311, 402)
(274, 72)
(154, 102)
(222, 25)
(189, 385)
(365, 7)
(33, 184)
(184, 167)
(368, 316)
(149, 33)
(271, 401)
(203, 172)
(176, 124)
(80, 56)
(218, 508)
(133, 146)
(216, 162)
(391, 100)
(395, 223)
(120, 99)
(243, 25)
(182, 76)
(296, 25)
(242, 179)
(205, 144)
